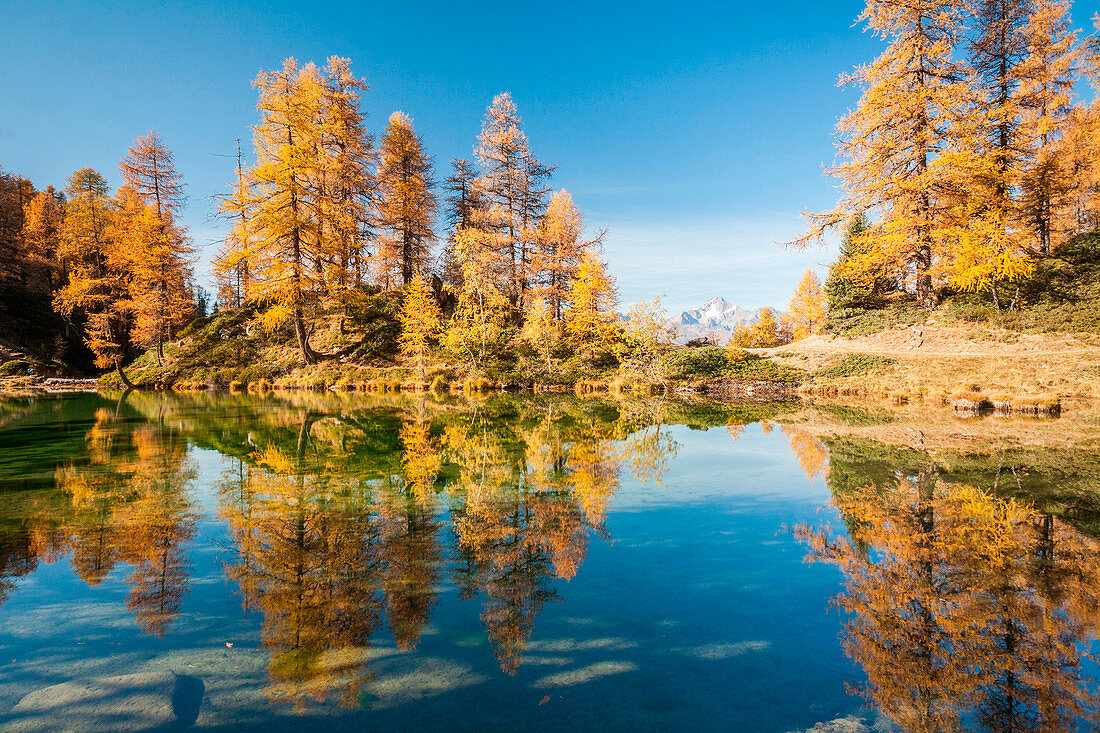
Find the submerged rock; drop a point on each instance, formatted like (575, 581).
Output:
(853, 724)
(849, 724)
(147, 701)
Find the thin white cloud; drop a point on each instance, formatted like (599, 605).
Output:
(736, 257)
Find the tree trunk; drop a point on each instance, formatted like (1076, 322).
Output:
(308, 353)
(122, 375)
(997, 303)
(926, 295)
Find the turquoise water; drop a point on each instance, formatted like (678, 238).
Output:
(342, 562)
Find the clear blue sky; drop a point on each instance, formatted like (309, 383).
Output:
(695, 132)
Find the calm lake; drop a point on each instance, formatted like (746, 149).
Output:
(351, 562)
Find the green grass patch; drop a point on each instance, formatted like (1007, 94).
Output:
(713, 362)
(853, 322)
(851, 365)
(707, 362)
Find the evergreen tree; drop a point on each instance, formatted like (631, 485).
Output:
(856, 279)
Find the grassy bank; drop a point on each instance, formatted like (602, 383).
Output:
(946, 362)
(1041, 346)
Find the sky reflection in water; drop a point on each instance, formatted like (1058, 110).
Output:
(535, 563)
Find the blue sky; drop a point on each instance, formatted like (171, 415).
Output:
(696, 133)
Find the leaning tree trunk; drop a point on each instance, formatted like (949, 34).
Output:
(122, 375)
(300, 332)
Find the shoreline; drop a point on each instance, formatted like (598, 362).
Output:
(755, 390)
(947, 364)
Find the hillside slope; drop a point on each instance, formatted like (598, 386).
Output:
(938, 359)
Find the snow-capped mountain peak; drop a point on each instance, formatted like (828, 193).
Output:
(715, 320)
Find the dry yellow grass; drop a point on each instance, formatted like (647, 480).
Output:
(936, 360)
(939, 428)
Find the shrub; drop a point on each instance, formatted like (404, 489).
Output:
(971, 312)
(15, 366)
(735, 355)
(751, 366)
(703, 363)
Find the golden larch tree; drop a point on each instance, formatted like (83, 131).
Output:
(513, 184)
(420, 322)
(98, 283)
(808, 307)
(1048, 73)
(347, 182)
(464, 199)
(149, 168)
(15, 193)
(279, 199)
(890, 143)
(479, 325)
(43, 217)
(647, 336)
(230, 264)
(406, 204)
(559, 251)
(161, 256)
(766, 333)
(541, 330)
(591, 321)
(985, 244)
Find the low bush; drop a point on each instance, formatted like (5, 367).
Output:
(15, 366)
(860, 322)
(708, 362)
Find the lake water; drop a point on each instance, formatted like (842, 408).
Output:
(350, 562)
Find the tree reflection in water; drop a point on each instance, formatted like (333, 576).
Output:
(344, 528)
(128, 503)
(965, 609)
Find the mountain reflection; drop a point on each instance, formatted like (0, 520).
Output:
(966, 609)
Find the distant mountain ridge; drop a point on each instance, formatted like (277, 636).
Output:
(714, 320)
